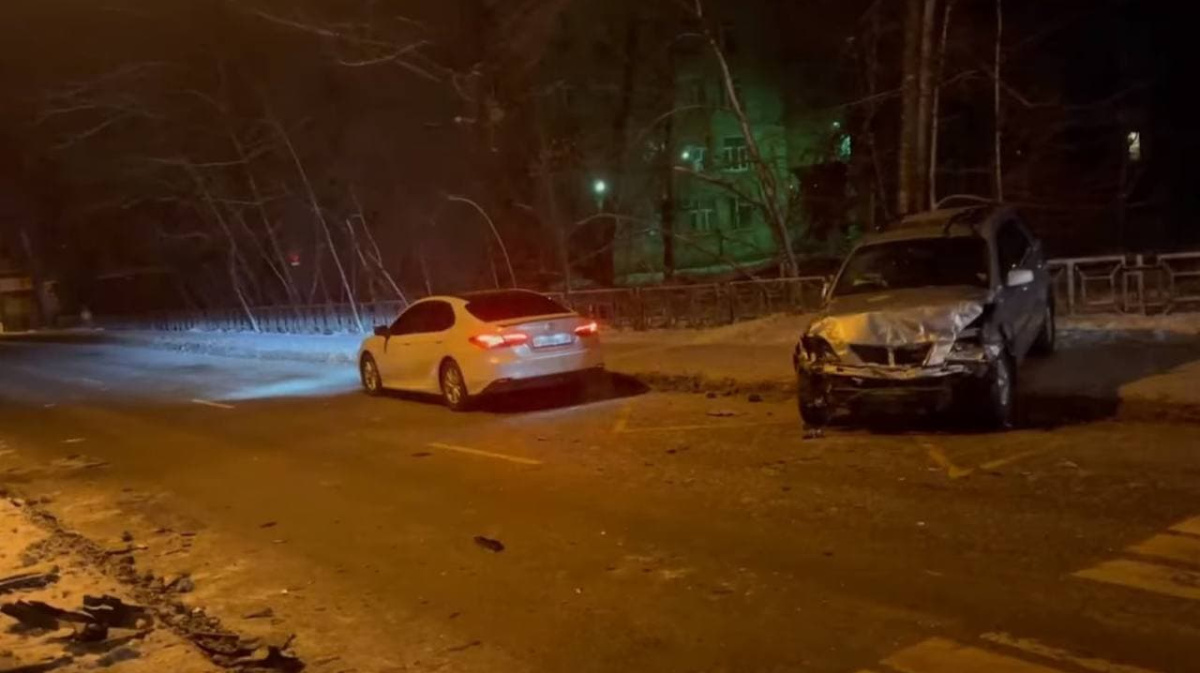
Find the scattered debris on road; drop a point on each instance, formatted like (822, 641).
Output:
(124, 614)
(489, 544)
(814, 433)
(722, 413)
(265, 613)
(754, 398)
(182, 584)
(27, 581)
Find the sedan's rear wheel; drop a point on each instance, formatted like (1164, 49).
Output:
(372, 382)
(454, 387)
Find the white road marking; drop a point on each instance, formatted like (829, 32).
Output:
(218, 405)
(1191, 526)
(1147, 577)
(623, 417)
(1001, 462)
(1179, 545)
(74, 440)
(938, 456)
(939, 655)
(1047, 652)
(1182, 548)
(485, 454)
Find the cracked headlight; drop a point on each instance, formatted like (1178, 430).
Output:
(817, 350)
(968, 346)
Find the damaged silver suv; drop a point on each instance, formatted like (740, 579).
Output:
(937, 312)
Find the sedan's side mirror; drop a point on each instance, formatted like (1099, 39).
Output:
(1019, 277)
(382, 330)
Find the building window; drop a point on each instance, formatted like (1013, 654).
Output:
(845, 148)
(693, 156)
(735, 154)
(1133, 142)
(700, 216)
(741, 213)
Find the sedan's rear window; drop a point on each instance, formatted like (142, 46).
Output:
(500, 306)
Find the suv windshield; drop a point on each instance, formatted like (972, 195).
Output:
(499, 306)
(921, 262)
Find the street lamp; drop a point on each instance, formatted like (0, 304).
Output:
(600, 187)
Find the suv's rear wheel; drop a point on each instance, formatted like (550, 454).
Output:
(454, 387)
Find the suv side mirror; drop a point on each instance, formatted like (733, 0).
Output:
(1019, 277)
(382, 330)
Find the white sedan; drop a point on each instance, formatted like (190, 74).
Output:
(464, 346)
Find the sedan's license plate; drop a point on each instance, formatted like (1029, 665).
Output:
(548, 340)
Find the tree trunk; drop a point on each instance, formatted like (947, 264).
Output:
(667, 206)
(40, 317)
(924, 106)
(768, 181)
(909, 102)
(512, 276)
(997, 111)
(936, 122)
(880, 200)
(321, 222)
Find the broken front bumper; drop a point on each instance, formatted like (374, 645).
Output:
(852, 386)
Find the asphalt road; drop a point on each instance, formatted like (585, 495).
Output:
(642, 532)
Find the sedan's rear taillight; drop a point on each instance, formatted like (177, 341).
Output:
(590, 329)
(490, 341)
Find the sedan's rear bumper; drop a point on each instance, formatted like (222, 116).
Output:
(501, 386)
(513, 370)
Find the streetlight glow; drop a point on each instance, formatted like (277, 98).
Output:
(599, 186)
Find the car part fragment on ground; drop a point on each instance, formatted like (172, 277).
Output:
(489, 544)
(27, 581)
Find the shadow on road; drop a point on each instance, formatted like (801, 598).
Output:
(1139, 376)
(611, 386)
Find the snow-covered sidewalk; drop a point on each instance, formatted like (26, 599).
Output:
(1144, 366)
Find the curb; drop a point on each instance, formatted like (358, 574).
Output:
(1052, 408)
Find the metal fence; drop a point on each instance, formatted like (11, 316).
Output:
(1114, 283)
(1127, 283)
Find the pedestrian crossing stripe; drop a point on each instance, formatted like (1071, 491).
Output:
(1022, 655)
(1167, 563)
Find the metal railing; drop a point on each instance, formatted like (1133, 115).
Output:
(1127, 283)
(1110, 283)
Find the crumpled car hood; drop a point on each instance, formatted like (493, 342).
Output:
(900, 317)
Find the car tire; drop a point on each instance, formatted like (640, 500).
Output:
(368, 371)
(998, 403)
(453, 384)
(1047, 336)
(813, 409)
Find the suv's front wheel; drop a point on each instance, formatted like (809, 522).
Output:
(814, 410)
(999, 398)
